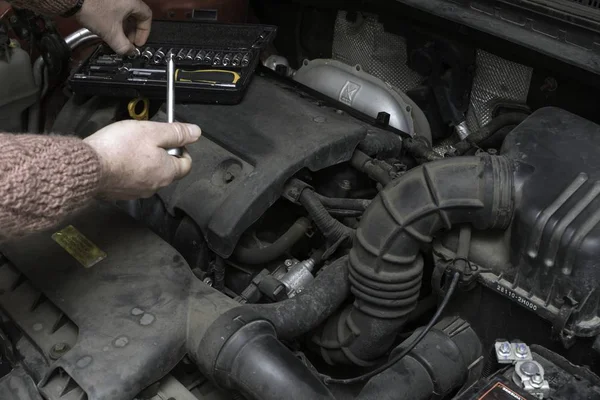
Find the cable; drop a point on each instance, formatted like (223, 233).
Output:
(453, 284)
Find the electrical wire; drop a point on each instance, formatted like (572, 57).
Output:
(453, 284)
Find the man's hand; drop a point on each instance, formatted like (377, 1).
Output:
(134, 161)
(120, 23)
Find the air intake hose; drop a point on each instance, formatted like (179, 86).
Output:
(240, 351)
(385, 265)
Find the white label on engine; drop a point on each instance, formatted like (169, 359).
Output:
(349, 92)
(519, 299)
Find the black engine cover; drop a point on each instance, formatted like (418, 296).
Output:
(249, 151)
(555, 244)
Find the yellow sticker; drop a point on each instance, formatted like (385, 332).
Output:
(80, 247)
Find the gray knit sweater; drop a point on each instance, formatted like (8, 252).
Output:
(44, 178)
(47, 7)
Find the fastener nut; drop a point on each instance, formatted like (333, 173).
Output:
(521, 349)
(537, 379)
(58, 350)
(504, 348)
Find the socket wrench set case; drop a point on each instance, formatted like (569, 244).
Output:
(215, 63)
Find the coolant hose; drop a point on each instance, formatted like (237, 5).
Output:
(306, 311)
(263, 255)
(331, 228)
(343, 203)
(367, 165)
(380, 142)
(74, 40)
(501, 121)
(385, 265)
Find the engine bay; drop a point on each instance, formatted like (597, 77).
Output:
(399, 207)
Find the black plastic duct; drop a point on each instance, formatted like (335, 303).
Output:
(240, 351)
(385, 265)
(441, 363)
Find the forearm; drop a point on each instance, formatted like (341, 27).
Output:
(42, 179)
(47, 7)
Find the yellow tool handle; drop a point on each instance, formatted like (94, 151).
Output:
(211, 76)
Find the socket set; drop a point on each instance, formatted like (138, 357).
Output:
(214, 63)
(196, 57)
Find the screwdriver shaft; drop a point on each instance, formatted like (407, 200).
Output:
(171, 100)
(170, 90)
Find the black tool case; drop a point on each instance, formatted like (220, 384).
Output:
(221, 57)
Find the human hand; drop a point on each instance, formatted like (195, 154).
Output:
(134, 161)
(120, 23)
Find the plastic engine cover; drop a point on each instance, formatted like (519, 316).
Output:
(121, 323)
(249, 151)
(555, 244)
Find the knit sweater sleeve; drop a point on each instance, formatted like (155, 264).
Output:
(47, 7)
(42, 179)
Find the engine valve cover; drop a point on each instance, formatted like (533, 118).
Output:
(248, 152)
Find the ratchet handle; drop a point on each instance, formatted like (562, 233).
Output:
(209, 76)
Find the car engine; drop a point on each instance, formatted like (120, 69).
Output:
(404, 205)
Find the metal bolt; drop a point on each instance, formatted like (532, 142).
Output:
(60, 347)
(58, 350)
(504, 348)
(521, 349)
(537, 379)
(346, 184)
(530, 368)
(208, 281)
(13, 19)
(288, 263)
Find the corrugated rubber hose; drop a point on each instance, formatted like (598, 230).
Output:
(386, 267)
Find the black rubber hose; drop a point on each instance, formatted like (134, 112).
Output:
(301, 314)
(367, 165)
(438, 365)
(344, 204)
(263, 255)
(219, 274)
(344, 213)
(331, 228)
(264, 369)
(385, 264)
(378, 142)
(501, 121)
(240, 352)
(421, 149)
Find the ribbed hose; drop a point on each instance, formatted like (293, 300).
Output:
(385, 265)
